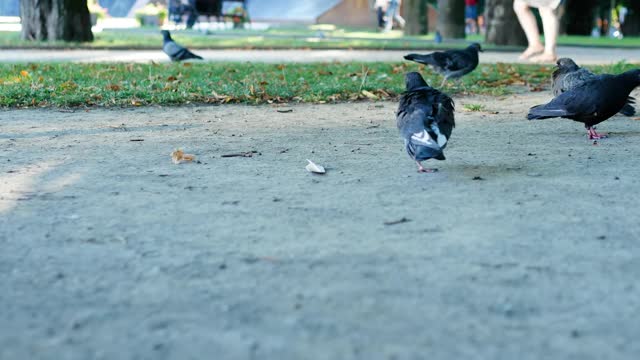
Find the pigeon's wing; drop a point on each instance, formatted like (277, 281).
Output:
(460, 60)
(443, 60)
(581, 102)
(556, 81)
(413, 114)
(185, 54)
(172, 49)
(576, 78)
(444, 116)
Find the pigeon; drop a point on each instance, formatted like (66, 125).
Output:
(568, 75)
(174, 50)
(591, 102)
(451, 63)
(425, 120)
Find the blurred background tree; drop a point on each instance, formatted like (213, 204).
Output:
(631, 26)
(503, 27)
(417, 17)
(52, 20)
(451, 19)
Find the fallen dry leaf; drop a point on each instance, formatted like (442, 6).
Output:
(370, 95)
(178, 156)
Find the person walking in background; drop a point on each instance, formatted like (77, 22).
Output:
(536, 51)
(471, 16)
(393, 13)
(380, 7)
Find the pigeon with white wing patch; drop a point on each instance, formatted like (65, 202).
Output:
(425, 120)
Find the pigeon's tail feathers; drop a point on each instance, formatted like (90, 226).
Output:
(186, 55)
(422, 146)
(422, 59)
(421, 152)
(628, 110)
(545, 112)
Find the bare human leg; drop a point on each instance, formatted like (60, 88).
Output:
(550, 25)
(530, 27)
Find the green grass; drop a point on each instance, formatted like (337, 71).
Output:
(285, 37)
(151, 39)
(601, 41)
(474, 107)
(106, 85)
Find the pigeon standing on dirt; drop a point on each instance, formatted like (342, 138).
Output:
(569, 75)
(174, 50)
(451, 63)
(591, 102)
(425, 120)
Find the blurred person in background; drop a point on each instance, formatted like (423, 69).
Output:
(380, 7)
(393, 13)
(471, 16)
(537, 52)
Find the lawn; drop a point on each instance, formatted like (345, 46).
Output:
(71, 85)
(314, 37)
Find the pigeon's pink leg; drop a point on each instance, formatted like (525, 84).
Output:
(593, 135)
(425, 170)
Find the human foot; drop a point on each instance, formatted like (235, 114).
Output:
(530, 51)
(545, 58)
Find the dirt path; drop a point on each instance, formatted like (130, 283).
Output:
(523, 246)
(579, 54)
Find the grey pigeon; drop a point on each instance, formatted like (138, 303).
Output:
(591, 102)
(174, 50)
(568, 75)
(451, 63)
(425, 120)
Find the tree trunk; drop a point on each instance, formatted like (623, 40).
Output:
(631, 26)
(578, 17)
(417, 16)
(503, 27)
(52, 20)
(451, 19)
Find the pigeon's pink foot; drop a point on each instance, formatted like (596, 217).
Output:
(425, 170)
(593, 135)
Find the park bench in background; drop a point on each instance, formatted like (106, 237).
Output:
(194, 9)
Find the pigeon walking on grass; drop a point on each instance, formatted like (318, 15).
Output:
(569, 75)
(591, 102)
(425, 120)
(451, 63)
(174, 50)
